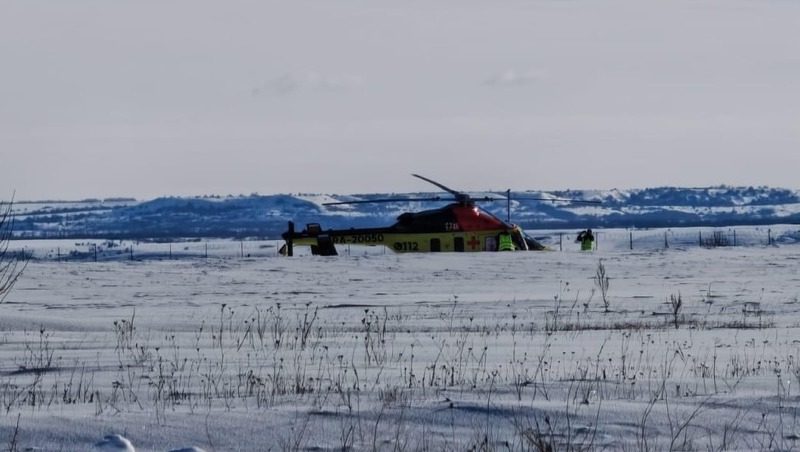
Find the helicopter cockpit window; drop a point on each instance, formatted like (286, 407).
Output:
(519, 240)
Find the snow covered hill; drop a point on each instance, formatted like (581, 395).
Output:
(267, 216)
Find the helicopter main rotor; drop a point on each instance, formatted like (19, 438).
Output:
(458, 196)
(461, 197)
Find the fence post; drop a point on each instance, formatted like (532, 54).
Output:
(699, 238)
(769, 236)
(241, 244)
(630, 239)
(561, 241)
(59, 254)
(170, 251)
(666, 243)
(131, 248)
(734, 237)
(95, 252)
(206, 254)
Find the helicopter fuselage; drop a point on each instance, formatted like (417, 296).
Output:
(454, 228)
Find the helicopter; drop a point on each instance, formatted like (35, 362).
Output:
(460, 226)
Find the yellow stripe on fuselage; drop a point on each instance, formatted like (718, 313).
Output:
(409, 243)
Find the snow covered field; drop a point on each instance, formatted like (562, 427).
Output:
(557, 240)
(486, 351)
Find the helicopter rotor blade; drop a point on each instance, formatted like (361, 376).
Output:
(385, 200)
(583, 201)
(487, 199)
(443, 187)
(534, 198)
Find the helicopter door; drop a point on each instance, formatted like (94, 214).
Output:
(436, 245)
(458, 244)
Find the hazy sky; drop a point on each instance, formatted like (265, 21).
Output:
(147, 98)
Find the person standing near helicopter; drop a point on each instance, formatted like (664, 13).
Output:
(586, 239)
(505, 242)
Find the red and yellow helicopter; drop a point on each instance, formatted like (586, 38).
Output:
(460, 226)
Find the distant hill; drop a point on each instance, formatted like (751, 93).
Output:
(267, 216)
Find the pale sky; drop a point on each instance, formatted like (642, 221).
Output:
(147, 98)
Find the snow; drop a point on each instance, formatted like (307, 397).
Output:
(373, 350)
(116, 443)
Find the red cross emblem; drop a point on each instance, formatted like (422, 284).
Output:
(473, 243)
